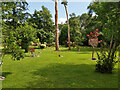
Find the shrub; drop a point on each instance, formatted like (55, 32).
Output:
(105, 64)
(32, 50)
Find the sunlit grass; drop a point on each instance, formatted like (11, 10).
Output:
(73, 70)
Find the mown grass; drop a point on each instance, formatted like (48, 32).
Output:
(73, 70)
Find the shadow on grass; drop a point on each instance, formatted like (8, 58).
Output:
(69, 76)
(5, 74)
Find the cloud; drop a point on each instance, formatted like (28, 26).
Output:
(62, 20)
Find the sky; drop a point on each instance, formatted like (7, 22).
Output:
(73, 7)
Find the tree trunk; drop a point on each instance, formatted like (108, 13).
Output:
(93, 53)
(110, 50)
(25, 45)
(56, 26)
(68, 28)
(119, 53)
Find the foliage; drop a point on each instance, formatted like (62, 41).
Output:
(17, 53)
(12, 17)
(43, 24)
(10, 43)
(26, 33)
(64, 2)
(94, 35)
(32, 50)
(13, 12)
(63, 35)
(110, 28)
(75, 28)
(105, 64)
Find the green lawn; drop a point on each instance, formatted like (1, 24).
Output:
(73, 70)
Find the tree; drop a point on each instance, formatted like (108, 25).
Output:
(13, 12)
(63, 35)
(88, 23)
(9, 42)
(25, 34)
(43, 24)
(56, 26)
(111, 31)
(12, 17)
(75, 28)
(65, 5)
(93, 40)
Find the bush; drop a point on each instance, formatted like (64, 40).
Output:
(42, 46)
(105, 65)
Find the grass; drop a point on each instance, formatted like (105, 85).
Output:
(73, 70)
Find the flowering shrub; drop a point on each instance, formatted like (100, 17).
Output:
(93, 38)
(32, 50)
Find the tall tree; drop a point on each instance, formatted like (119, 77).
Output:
(65, 5)
(12, 17)
(56, 26)
(111, 32)
(75, 27)
(43, 23)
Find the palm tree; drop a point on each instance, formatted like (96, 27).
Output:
(65, 5)
(56, 26)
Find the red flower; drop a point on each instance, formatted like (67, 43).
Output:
(98, 41)
(32, 49)
(88, 35)
(96, 30)
(91, 33)
(96, 38)
(97, 34)
(16, 41)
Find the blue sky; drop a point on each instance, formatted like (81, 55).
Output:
(73, 7)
